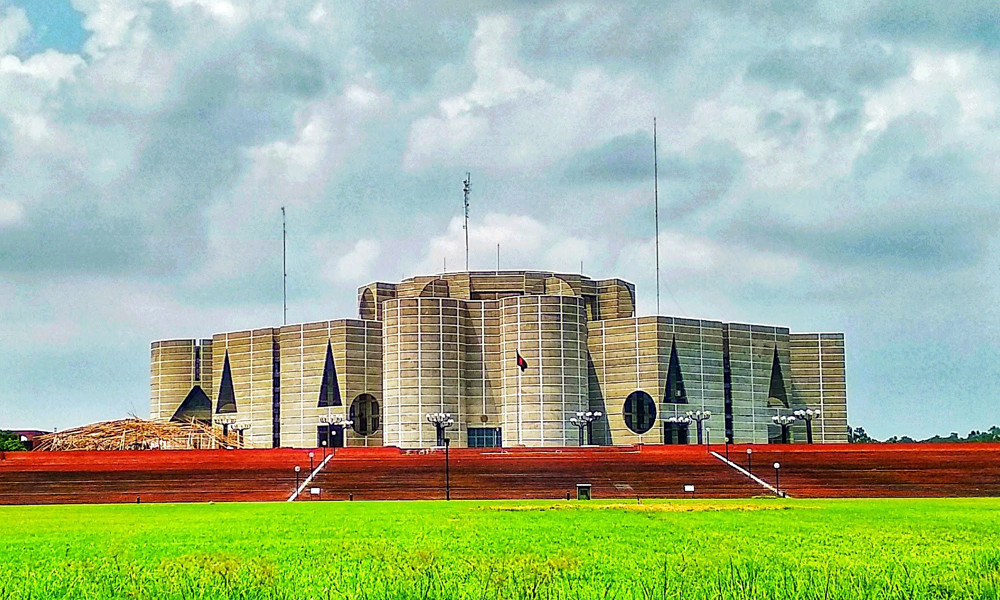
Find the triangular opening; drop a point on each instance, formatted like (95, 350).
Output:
(196, 407)
(329, 389)
(675, 393)
(227, 396)
(776, 395)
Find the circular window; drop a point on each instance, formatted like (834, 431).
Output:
(364, 413)
(639, 411)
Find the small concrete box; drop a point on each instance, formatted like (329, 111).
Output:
(583, 491)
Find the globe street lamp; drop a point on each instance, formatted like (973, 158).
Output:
(808, 415)
(698, 416)
(323, 444)
(226, 422)
(239, 428)
(331, 422)
(784, 421)
(297, 469)
(750, 460)
(586, 420)
(679, 422)
(311, 468)
(441, 421)
(777, 482)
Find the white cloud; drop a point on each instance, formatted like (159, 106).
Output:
(508, 119)
(13, 26)
(11, 213)
(354, 267)
(525, 243)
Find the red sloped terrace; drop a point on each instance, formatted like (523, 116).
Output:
(878, 470)
(152, 475)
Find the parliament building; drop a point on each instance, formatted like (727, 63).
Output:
(450, 344)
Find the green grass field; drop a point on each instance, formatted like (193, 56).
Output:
(680, 549)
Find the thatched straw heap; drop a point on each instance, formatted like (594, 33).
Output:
(137, 434)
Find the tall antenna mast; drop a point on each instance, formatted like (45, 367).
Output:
(284, 268)
(656, 216)
(465, 190)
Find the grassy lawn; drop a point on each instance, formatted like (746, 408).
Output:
(514, 549)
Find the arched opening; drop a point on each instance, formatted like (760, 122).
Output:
(437, 288)
(555, 286)
(366, 306)
(639, 412)
(365, 414)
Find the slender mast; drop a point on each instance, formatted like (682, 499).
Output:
(465, 190)
(284, 269)
(656, 216)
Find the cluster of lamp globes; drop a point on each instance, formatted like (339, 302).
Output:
(807, 414)
(441, 419)
(691, 415)
(582, 419)
(336, 421)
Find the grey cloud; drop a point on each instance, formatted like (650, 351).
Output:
(64, 237)
(959, 22)
(898, 209)
(699, 178)
(830, 72)
(688, 182)
(409, 41)
(230, 95)
(623, 159)
(611, 34)
(780, 123)
(920, 242)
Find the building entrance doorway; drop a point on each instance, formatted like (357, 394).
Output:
(675, 433)
(333, 435)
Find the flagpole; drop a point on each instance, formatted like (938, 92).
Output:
(519, 371)
(656, 216)
(467, 183)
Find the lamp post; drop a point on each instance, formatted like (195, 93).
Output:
(708, 439)
(698, 416)
(750, 460)
(447, 470)
(297, 469)
(323, 444)
(777, 482)
(808, 415)
(585, 420)
(440, 421)
(335, 421)
(678, 420)
(226, 422)
(785, 422)
(311, 468)
(239, 428)
(727, 448)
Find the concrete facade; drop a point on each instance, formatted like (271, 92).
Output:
(449, 343)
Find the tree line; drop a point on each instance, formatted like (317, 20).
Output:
(858, 435)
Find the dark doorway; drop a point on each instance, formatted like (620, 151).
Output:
(675, 433)
(333, 435)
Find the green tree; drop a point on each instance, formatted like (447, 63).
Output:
(857, 435)
(10, 442)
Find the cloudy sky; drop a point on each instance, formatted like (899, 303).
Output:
(826, 165)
